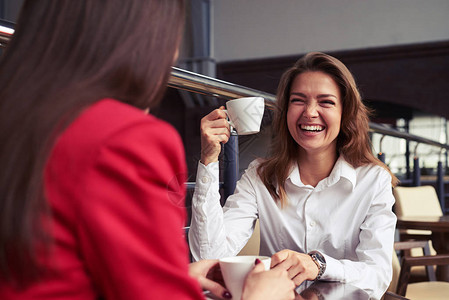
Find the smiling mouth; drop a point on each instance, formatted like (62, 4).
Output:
(312, 128)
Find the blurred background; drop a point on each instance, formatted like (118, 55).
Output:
(398, 51)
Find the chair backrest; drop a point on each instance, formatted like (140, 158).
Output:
(392, 296)
(401, 274)
(396, 270)
(417, 201)
(424, 247)
(253, 244)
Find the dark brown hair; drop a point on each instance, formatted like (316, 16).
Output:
(352, 142)
(64, 56)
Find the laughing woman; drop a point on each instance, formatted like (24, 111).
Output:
(324, 202)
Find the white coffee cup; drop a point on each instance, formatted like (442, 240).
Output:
(245, 114)
(235, 269)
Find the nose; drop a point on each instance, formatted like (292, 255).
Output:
(311, 111)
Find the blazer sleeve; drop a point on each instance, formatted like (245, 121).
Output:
(131, 221)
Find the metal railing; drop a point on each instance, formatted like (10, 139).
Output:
(197, 83)
(193, 82)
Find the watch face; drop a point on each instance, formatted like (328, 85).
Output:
(320, 258)
(317, 255)
(320, 261)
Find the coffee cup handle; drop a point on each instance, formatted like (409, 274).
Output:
(232, 127)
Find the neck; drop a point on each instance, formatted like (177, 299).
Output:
(314, 167)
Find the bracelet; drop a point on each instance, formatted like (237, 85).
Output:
(320, 261)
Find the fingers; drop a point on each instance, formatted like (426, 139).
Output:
(294, 267)
(215, 114)
(214, 131)
(205, 272)
(286, 286)
(215, 123)
(215, 274)
(214, 287)
(299, 266)
(299, 278)
(260, 267)
(220, 133)
(216, 118)
(272, 284)
(202, 267)
(209, 263)
(279, 257)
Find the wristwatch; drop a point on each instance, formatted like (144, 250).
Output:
(320, 261)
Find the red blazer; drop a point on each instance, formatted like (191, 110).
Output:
(115, 184)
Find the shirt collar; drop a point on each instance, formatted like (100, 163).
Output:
(341, 169)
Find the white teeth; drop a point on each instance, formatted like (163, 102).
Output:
(312, 127)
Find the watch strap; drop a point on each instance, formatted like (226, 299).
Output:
(320, 261)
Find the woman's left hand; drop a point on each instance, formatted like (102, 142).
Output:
(208, 274)
(299, 266)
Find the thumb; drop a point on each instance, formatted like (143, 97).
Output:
(259, 267)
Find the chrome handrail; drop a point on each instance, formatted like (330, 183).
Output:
(194, 82)
(384, 129)
(197, 83)
(5, 35)
(201, 84)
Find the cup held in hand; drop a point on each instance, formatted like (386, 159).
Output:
(235, 269)
(245, 114)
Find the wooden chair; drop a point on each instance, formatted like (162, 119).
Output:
(417, 201)
(427, 290)
(393, 296)
(253, 245)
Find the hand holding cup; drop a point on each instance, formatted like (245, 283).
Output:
(246, 281)
(214, 131)
(243, 114)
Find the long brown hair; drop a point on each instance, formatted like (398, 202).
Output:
(353, 141)
(64, 56)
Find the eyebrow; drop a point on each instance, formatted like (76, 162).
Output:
(319, 96)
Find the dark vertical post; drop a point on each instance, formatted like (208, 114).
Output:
(407, 151)
(381, 156)
(231, 165)
(447, 139)
(440, 186)
(2, 9)
(416, 172)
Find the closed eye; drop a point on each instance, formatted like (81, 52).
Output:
(327, 103)
(297, 100)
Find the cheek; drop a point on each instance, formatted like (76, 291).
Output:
(336, 121)
(291, 121)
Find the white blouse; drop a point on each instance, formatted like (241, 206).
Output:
(347, 217)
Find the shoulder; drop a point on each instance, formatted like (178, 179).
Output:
(102, 122)
(373, 174)
(108, 117)
(251, 173)
(253, 167)
(116, 128)
(255, 163)
(116, 150)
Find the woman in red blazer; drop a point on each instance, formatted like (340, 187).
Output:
(91, 187)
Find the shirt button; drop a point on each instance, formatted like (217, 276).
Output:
(205, 179)
(312, 223)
